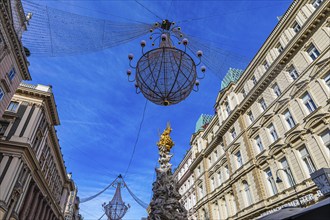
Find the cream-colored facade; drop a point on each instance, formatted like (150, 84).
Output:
(274, 118)
(33, 177)
(13, 61)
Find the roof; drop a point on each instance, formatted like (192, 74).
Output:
(232, 76)
(203, 121)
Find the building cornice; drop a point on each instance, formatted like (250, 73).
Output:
(15, 43)
(273, 70)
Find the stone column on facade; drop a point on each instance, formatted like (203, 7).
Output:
(34, 206)
(44, 210)
(8, 180)
(39, 207)
(48, 212)
(64, 198)
(27, 202)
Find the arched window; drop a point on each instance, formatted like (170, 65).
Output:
(247, 193)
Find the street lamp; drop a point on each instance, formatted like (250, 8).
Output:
(278, 180)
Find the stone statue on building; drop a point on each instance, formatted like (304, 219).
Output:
(165, 203)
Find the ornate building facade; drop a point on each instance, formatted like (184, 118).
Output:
(271, 123)
(33, 178)
(13, 62)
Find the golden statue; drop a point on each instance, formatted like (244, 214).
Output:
(165, 139)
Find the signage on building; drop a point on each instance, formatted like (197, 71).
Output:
(303, 200)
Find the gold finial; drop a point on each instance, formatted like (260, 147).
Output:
(165, 139)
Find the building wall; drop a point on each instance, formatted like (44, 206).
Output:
(13, 62)
(234, 177)
(34, 181)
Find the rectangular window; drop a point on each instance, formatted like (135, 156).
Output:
(215, 153)
(289, 119)
(3, 127)
(266, 65)
(233, 133)
(201, 190)
(273, 132)
(296, 27)
(279, 48)
(227, 171)
(12, 74)
(309, 165)
(227, 108)
(263, 104)
(13, 106)
(220, 178)
(259, 143)
(276, 90)
(254, 80)
(239, 159)
(2, 93)
(293, 72)
(250, 115)
(244, 93)
(212, 184)
(313, 52)
(327, 79)
(308, 102)
(317, 3)
(288, 174)
(271, 182)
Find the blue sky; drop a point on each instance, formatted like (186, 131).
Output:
(99, 111)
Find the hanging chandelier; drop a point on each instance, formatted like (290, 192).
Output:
(166, 75)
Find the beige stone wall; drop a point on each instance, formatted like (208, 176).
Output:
(229, 199)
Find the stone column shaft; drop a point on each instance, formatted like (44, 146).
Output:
(27, 202)
(34, 206)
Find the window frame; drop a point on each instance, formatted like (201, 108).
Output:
(276, 89)
(2, 93)
(10, 108)
(308, 103)
(296, 27)
(273, 132)
(11, 74)
(293, 72)
(312, 51)
(263, 104)
(289, 119)
(259, 143)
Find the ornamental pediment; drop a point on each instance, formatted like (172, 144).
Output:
(261, 160)
(276, 146)
(298, 88)
(253, 130)
(266, 118)
(233, 147)
(321, 65)
(318, 118)
(281, 104)
(295, 135)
